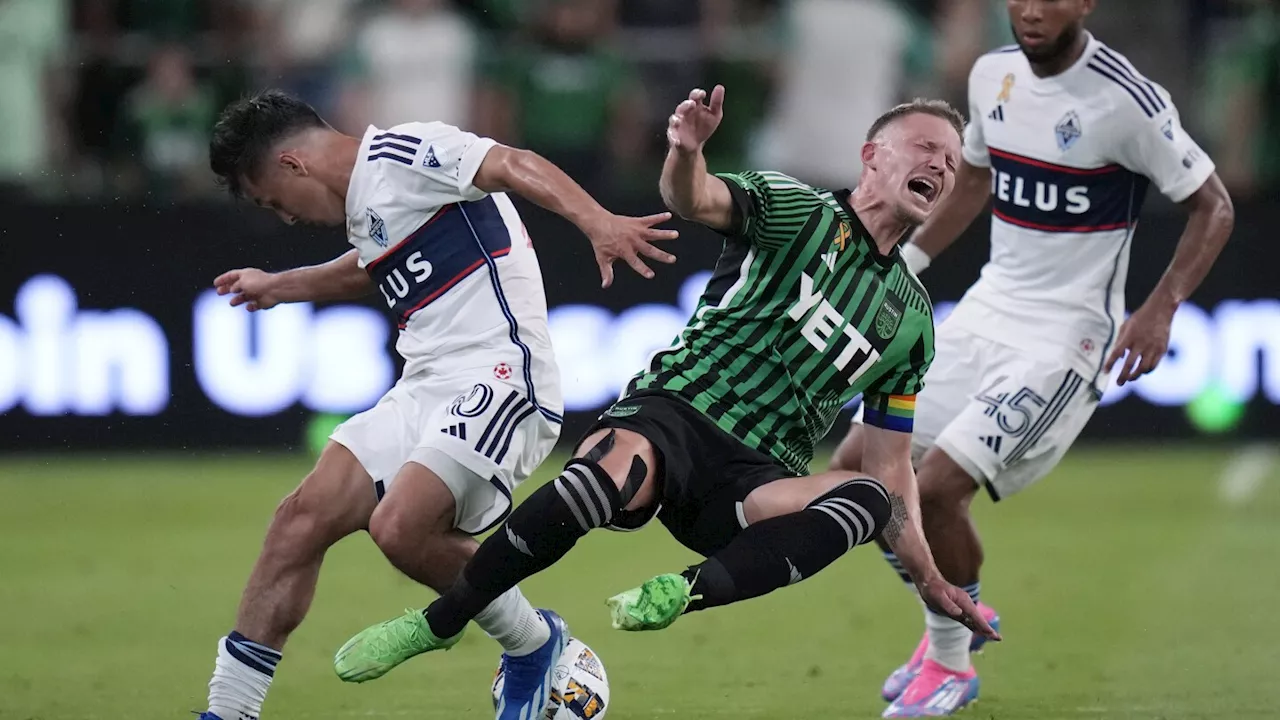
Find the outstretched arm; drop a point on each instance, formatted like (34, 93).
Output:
(686, 186)
(1144, 337)
(614, 237)
(887, 458)
(339, 279)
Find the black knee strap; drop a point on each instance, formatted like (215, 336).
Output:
(602, 448)
(635, 478)
(860, 507)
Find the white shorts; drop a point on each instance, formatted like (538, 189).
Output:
(482, 436)
(1003, 416)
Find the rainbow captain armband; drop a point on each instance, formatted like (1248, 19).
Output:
(891, 412)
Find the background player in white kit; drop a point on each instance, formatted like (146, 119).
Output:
(1066, 135)
(478, 406)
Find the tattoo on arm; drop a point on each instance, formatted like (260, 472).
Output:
(897, 518)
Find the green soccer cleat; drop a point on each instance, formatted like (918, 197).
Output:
(376, 650)
(652, 606)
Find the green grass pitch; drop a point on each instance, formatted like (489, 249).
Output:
(1127, 589)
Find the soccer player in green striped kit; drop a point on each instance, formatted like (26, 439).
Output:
(810, 305)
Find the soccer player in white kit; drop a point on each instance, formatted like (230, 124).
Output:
(478, 406)
(1065, 136)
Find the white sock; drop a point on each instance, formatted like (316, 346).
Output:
(241, 676)
(513, 622)
(948, 642)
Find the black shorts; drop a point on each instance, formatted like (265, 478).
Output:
(704, 473)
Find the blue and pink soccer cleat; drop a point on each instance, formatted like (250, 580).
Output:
(899, 679)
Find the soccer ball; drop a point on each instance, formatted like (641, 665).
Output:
(580, 686)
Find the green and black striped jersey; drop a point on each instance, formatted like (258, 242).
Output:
(801, 315)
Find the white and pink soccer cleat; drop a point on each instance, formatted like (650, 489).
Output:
(935, 692)
(899, 679)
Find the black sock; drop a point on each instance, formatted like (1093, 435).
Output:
(539, 532)
(784, 550)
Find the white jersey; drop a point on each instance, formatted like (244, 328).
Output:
(1071, 157)
(453, 264)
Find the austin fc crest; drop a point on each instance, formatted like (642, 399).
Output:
(377, 228)
(1068, 130)
(887, 320)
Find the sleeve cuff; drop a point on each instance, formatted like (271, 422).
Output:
(742, 207)
(470, 165)
(917, 260)
(975, 158)
(1190, 182)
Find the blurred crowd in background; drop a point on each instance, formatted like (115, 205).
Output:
(114, 99)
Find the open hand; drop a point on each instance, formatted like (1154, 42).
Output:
(694, 121)
(251, 287)
(947, 599)
(1143, 342)
(618, 237)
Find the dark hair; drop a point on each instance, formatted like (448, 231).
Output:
(248, 128)
(919, 106)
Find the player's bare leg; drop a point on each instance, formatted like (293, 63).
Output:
(795, 527)
(414, 528)
(333, 501)
(946, 493)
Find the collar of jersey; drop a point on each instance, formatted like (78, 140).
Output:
(1048, 84)
(887, 261)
